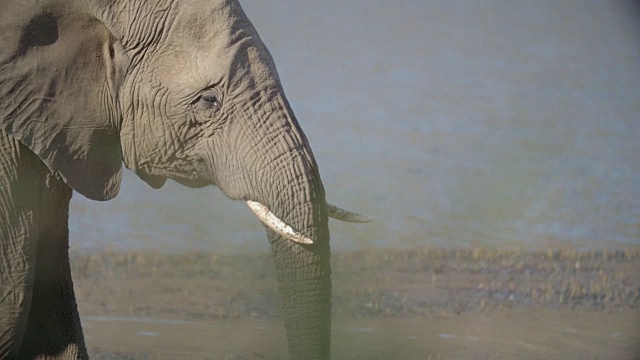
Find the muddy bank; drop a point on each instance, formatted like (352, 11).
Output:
(432, 302)
(368, 283)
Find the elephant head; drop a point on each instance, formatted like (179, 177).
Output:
(184, 90)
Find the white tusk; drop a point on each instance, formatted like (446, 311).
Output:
(345, 215)
(277, 225)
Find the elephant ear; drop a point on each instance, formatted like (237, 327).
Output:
(60, 74)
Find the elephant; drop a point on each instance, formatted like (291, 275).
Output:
(183, 90)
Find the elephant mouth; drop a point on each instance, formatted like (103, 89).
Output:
(194, 183)
(281, 228)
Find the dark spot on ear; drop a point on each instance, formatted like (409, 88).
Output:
(42, 30)
(112, 51)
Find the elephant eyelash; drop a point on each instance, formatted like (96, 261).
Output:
(210, 100)
(209, 95)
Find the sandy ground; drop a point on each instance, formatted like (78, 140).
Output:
(427, 304)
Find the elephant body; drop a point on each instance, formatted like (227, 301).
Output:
(183, 90)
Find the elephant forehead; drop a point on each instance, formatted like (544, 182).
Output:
(204, 42)
(234, 55)
(199, 21)
(192, 69)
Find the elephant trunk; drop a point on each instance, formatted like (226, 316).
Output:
(304, 280)
(289, 185)
(304, 270)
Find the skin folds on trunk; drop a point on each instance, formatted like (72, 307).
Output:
(304, 280)
(288, 183)
(303, 270)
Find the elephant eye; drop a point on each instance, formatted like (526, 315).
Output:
(210, 100)
(208, 104)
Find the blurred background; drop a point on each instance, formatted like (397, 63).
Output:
(454, 124)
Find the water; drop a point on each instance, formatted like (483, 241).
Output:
(467, 123)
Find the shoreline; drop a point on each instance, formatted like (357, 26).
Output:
(374, 282)
(386, 304)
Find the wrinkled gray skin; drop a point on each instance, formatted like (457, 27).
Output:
(174, 89)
